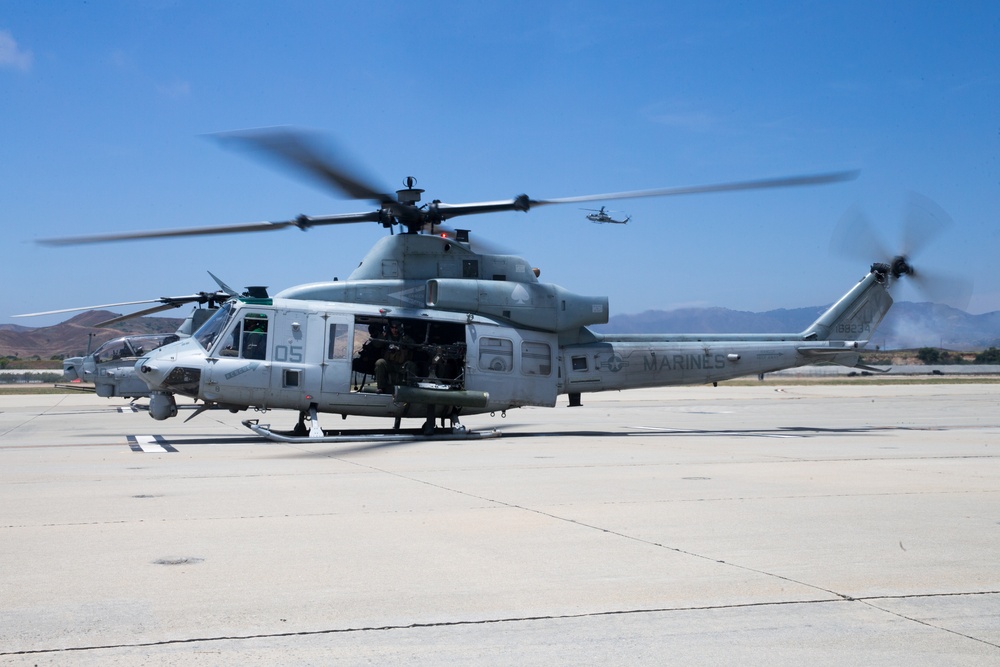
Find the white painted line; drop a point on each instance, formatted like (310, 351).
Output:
(150, 444)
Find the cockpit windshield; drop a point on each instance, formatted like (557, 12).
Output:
(132, 347)
(210, 330)
(115, 348)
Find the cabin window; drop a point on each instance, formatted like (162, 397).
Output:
(579, 363)
(254, 336)
(536, 358)
(496, 354)
(339, 341)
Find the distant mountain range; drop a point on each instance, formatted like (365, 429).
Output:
(70, 338)
(908, 325)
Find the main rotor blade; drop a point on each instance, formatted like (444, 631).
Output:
(762, 184)
(130, 316)
(286, 145)
(302, 222)
(525, 203)
(101, 307)
(167, 302)
(296, 149)
(223, 286)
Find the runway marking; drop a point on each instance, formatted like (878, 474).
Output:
(149, 444)
(128, 408)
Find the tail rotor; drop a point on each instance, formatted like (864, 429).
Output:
(923, 220)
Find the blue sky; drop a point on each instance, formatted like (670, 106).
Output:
(105, 108)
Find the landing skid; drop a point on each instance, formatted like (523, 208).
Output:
(367, 435)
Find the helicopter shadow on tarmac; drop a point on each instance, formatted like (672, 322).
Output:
(310, 450)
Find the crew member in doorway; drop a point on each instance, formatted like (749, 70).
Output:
(395, 366)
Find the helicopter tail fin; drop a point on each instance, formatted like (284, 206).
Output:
(856, 315)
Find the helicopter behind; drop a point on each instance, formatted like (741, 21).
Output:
(601, 216)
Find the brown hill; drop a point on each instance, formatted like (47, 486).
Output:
(70, 338)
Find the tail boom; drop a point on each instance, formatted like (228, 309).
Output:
(614, 362)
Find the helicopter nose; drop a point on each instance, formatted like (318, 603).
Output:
(162, 375)
(151, 366)
(151, 372)
(174, 368)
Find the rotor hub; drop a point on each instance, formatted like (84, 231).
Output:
(900, 267)
(895, 269)
(410, 194)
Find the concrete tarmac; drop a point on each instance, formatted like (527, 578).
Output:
(769, 524)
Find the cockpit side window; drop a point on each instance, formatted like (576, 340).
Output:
(144, 344)
(230, 346)
(111, 350)
(208, 331)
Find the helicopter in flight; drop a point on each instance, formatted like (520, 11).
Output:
(427, 327)
(601, 216)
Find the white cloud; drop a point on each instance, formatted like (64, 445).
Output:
(681, 116)
(175, 90)
(11, 56)
(120, 60)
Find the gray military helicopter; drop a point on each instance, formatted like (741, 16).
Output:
(426, 327)
(601, 216)
(111, 367)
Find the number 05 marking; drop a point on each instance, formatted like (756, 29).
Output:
(290, 353)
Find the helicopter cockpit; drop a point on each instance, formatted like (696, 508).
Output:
(131, 347)
(213, 326)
